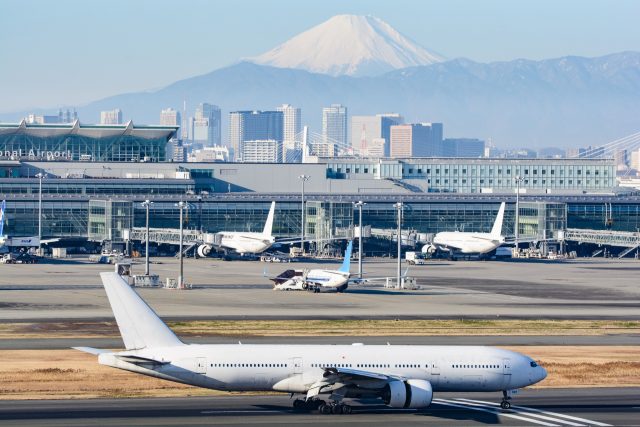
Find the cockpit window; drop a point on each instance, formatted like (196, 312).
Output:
(533, 364)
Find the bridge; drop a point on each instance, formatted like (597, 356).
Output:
(628, 240)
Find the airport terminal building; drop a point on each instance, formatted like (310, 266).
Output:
(126, 164)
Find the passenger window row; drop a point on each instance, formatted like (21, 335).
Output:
(477, 366)
(249, 365)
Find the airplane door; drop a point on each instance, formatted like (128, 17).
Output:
(506, 371)
(201, 365)
(435, 373)
(296, 365)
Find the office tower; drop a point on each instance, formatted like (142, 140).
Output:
(635, 159)
(620, 159)
(291, 128)
(262, 151)
(463, 147)
(334, 129)
(254, 126)
(366, 129)
(416, 140)
(171, 117)
(206, 125)
(111, 117)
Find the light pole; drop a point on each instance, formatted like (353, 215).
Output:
(147, 204)
(519, 180)
(40, 177)
(359, 205)
(181, 205)
(304, 178)
(398, 206)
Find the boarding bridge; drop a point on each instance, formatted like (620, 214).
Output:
(623, 239)
(171, 236)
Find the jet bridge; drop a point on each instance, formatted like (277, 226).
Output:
(628, 240)
(171, 236)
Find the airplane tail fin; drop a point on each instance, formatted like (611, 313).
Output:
(268, 226)
(496, 230)
(346, 264)
(139, 325)
(4, 205)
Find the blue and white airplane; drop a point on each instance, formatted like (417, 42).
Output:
(326, 377)
(317, 279)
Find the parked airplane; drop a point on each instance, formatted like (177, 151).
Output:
(470, 243)
(400, 376)
(318, 279)
(242, 242)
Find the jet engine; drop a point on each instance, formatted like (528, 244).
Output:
(413, 394)
(429, 249)
(204, 251)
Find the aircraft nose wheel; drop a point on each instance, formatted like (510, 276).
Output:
(505, 404)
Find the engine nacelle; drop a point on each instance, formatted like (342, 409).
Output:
(410, 394)
(204, 251)
(429, 249)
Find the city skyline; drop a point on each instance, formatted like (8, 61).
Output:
(144, 23)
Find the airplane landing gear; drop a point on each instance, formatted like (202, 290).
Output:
(307, 405)
(505, 404)
(334, 408)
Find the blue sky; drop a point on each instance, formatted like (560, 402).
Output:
(69, 52)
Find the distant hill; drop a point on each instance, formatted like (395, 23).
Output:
(552, 103)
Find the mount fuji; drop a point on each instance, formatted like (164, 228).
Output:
(349, 45)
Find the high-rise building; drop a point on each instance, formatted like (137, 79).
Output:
(416, 140)
(262, 151)
(291, 127)
(366, 129)
(254, 126)
(334, 129)
(463, 147)
(171, 117)
(620, 158)
(206, 125)
(111, 117)
(635, 159)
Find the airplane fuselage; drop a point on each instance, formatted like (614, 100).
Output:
(467, 243)
(295, 368)
(246, 243)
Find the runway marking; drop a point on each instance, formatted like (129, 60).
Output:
(555, 414)
(240, 411)
(523, 411)
(482, 408)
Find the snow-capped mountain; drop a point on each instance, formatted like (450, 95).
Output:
(349, 45)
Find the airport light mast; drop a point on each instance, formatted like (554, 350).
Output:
(399, 207)
(181, 205)
(40, 177)
(519, 180)
(304, 178)
(359, 205)
(146, 204)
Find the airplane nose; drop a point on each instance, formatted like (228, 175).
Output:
(543, 373)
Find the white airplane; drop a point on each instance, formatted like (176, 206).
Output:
(317, 280)
(242, 242)
(326, 376)
(470, 243)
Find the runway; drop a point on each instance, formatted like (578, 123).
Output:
(540, 407)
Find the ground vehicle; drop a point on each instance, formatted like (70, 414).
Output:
(415, 258)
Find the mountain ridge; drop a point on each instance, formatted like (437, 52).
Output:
(555, 102)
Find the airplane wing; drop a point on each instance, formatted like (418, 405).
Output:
(340, 378)
(47, 241)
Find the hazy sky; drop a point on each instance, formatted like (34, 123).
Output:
(69, 52)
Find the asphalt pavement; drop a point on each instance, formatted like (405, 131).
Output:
(535, 407)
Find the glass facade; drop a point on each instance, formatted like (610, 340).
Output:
(70, 217)
(485, 175)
